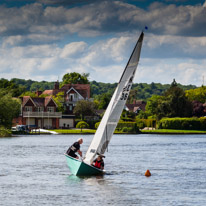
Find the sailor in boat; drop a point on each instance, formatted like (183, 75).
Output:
(75, 148)
(99, 162)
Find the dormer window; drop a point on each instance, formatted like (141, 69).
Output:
(28, 108)
(71, 97)
(50, 109)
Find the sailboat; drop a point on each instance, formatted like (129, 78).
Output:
(110, 119)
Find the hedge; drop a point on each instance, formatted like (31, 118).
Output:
(141, 123)
(183, 123)
(130, 127)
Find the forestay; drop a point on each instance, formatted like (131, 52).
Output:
(111, 117)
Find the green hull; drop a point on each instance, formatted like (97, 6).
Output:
(79, 168)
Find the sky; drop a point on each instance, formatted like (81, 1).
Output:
(45, 39)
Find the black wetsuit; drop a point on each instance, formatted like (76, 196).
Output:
(73, 149)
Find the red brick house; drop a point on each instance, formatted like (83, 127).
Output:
(72, 94)
(38, 112)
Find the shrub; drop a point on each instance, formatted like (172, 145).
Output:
(4, 132)
(82, 124)
(124, 129)
(141, 123)
(97, 125)
(92, 123)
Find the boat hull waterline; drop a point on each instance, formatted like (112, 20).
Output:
(79, 168)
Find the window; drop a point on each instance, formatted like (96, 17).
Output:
(71, 97)
(40, 109)
(70, 107)
(50, 109)
(28, 108)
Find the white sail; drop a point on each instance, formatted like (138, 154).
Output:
(111, 117)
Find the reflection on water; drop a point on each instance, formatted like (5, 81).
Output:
(33, 171)
(73, 179)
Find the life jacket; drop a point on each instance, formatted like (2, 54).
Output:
(98, 164)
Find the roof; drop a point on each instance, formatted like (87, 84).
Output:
(52, 92)
(25, 99)
(138, 105)
(38, 101)
(82, 89)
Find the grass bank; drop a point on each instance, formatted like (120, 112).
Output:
(157, 131)
(172, 131)
(83, 131)
(75, 131)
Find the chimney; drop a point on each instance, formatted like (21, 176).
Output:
(56, 85)
(38, 93)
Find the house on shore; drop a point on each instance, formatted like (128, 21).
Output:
(136, 107)
(72, 93)
(42, 112)
(39, 112)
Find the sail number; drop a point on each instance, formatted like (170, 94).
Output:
(125, 92)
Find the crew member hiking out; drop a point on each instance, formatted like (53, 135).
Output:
(75, 148)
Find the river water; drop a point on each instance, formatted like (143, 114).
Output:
(33, 171)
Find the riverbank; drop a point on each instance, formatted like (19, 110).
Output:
(172, 131)
(154, 131)
(92, 131)
(83, 131)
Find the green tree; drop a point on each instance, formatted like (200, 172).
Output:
(59, 99)
(173, 103)
(82, 125)
(178, 104)
(152, 106)
(197, 94)
(28, 93)
(11, 87)
(132, 96)
(75, 78)
(84, 108)
(104, 101)
(9, 109)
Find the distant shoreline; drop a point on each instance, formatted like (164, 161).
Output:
(172, 131)
(90, 131)
(156, 131)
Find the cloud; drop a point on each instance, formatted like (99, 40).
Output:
(101, 17)
(107, 52)
(33, 41)
(159, 71)
(106, 59)
(66, 2)
(73, 49)
(167, 46)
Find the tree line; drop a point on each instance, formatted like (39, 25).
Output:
(141, 91)
(163, 100)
